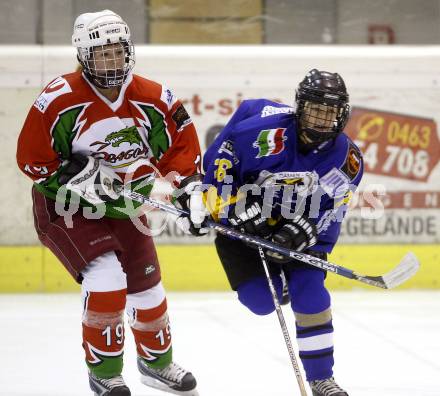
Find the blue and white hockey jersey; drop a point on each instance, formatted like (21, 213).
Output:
(259, 146)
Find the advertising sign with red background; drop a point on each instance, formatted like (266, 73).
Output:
(395, 145)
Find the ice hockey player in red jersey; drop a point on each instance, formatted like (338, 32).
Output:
(88, 133)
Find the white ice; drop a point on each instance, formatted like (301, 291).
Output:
(387, 344)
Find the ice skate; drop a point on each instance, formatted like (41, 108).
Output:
(173, 379)
(108, 386)
(327, 387)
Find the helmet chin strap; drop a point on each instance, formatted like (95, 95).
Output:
(309, 139)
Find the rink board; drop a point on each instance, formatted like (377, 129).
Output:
(212, 81)
(197, 268)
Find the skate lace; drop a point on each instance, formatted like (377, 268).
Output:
(327, 387)
(112, 382)
(173, 372)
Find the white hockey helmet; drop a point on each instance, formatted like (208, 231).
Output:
(99, 31)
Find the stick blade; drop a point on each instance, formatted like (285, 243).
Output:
(404, 271)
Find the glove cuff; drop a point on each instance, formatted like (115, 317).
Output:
(196, 178)
(188, 185)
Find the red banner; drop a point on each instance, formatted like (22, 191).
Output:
(395, 145)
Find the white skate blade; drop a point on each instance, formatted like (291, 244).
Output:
(154, 383)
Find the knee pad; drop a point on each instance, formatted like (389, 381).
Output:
(256, 296)
(148, 317)
(104, 290)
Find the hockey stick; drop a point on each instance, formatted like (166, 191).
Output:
(282, 324)
(407, 267)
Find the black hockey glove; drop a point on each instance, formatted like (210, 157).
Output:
(249, 219)
(298, 234)
(189, 197)
(91, 180)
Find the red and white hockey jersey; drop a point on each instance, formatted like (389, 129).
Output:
(146, 122)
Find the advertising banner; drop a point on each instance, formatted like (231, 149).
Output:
(393, 93)
(396, 202)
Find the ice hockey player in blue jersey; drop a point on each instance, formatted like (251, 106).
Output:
(287, 174)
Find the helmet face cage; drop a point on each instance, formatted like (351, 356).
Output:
(108, 66)
(322, 107)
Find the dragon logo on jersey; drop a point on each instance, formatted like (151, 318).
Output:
(128, 135)
(270, 142)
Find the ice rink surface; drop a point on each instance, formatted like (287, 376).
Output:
(386, 344)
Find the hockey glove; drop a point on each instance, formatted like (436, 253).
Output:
(91, 180)
(249, 219)
(190, 198)
(298, 234)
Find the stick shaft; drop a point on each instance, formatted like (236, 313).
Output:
(230, 232)
(283, 325)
